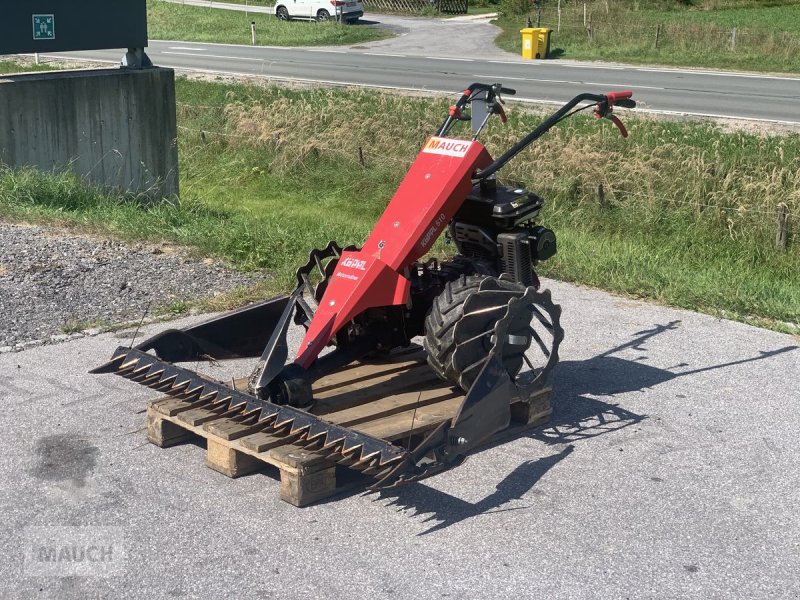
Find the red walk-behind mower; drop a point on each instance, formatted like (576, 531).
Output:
(488, 327)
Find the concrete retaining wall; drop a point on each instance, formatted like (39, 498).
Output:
(115, 127)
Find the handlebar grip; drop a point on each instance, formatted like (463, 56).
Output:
(509, 91)
(614, 97)
(626, 103)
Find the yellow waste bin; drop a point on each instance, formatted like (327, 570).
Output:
(535, 42)
(529, 42)
(544, 41)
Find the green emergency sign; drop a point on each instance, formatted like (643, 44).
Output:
(44, 27)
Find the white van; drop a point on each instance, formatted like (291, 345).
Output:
(319, 10)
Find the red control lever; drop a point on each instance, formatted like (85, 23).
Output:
(500, 111)
(605, 110)
(620, 125)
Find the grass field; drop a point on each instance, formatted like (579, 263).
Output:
(268, 173)
(767, 34)
(8, 67)
(167, 21)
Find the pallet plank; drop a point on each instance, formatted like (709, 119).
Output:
(404, 359)
(396, 403)
(261, 442)
(170, 406)
(401, 424)
(371, 390)
(355, 379)
(304, 461)
(228, 429)
(196, 416)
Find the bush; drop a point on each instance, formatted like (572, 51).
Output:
(513, 8)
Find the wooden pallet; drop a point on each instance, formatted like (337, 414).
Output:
(381, 399)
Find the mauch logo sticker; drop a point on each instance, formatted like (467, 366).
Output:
(437, 145)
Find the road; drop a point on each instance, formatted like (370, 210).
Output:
(444, 55)
(670, 470)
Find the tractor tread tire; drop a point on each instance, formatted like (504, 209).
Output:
(446, 311)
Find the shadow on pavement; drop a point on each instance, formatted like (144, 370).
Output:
(576, 416)
(449, 510)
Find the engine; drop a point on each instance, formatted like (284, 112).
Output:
(496, 226)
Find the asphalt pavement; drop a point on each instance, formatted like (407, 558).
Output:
(445, 55)
(670, 470)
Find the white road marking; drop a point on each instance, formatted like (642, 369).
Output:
(579, 66)
(527, 79)
(236, 46)
(622, 85)
(446, 58)
(679, 113)
(384, 54)
(214, 56)
(542, 63)
(325, 51)
(187, 48)
(676, 70)
(717, 73)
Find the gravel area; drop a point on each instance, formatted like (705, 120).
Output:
(55, 284)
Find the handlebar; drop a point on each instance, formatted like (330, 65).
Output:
(604, 103)
(604, 108)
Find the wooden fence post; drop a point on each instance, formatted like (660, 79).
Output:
(733, 39)
(782, 236)
(558, 27)
(658, 34)
(601, 196)
(361, 157)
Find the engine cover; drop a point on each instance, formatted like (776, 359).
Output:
(500, 206)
